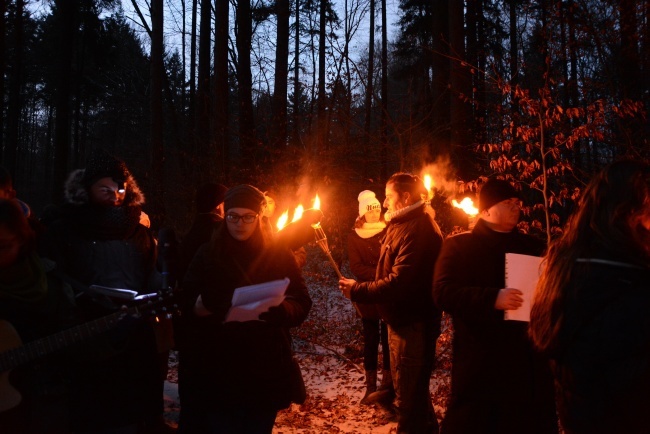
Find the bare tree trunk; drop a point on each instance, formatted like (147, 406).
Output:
(15, 83)
(203, 91)
(279, 129)
(157, 121)
(383, 109)
(369, 83)
(322, 97)
(459, 79)
(192, 71)
(245, 81)
(67, 19)
(221, 88)
(3, 67)
(296, 81)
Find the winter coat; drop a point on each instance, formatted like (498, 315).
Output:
(363, 254)
(602, 364)
(204, 225)
(402, 288)
(242, 364)
(498, 383)
(117, 380)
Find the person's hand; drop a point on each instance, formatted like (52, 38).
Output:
(345, 285)
(509, 299)
(276, 315)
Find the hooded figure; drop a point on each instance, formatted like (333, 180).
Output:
(97, 239)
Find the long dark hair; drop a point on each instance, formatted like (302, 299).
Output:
(605, 225)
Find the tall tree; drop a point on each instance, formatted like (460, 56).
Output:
(66, 15)
(203, 91)
(157, 78)
(279, 129)
(221, 87)
(244, 33)
(15, 83)
(369, 83)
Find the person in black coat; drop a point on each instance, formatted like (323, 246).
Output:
(243, 372)
(35, 304)
(590, 313)
(364, 245)
(402, 292)
(499, 384)
(97, 239)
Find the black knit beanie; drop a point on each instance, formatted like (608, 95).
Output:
(495, 191)
(244, 196)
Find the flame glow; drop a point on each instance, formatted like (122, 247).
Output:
(297, 213)
(316, 203)
(427, 181)
(466, 205)
(282, 221)
(428, 184)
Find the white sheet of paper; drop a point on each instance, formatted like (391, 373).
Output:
(249, 301)
(522, 273)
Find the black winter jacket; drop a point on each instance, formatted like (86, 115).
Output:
(363, 254)
(242, 363)
(499, 384)
(402, 289)
(602, 366)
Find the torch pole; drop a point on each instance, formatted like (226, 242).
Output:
(321, 240)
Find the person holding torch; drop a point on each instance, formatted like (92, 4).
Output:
(402, 292)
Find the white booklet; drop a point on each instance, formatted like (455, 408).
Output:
(249, 301)
(522, 273)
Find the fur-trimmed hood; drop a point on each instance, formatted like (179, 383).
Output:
(75, 193)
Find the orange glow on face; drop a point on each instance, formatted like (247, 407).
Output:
(467, 205)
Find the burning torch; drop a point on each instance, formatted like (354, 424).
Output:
(321, 240)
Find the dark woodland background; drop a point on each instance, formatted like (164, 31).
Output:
(270, 92)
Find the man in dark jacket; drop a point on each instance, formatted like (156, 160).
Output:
(498, 383)
(98, 239)
(402, 292)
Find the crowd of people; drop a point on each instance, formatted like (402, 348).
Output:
(80, 354)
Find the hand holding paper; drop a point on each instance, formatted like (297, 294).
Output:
(248, 302)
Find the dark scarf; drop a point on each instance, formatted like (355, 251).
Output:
(24, 281)
(106, 223)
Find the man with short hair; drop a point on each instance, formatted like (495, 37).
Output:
(498, 383)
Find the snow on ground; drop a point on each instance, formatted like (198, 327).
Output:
(328, 347)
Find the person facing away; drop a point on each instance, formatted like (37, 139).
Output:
(364, 245)
(590, 312)
(209, 214)
(499, 384)
(243, 368)
(401, 290)
(98, 239)
(34, 304)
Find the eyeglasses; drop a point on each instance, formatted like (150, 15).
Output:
(247, 218)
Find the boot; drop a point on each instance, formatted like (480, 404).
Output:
(385, 393)
(371, 386)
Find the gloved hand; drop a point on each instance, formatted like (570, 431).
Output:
(276, 315)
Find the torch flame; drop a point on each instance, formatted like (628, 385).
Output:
(297, 213)
(466, 205)
(316, 203)
(282, 221)
(428, 183)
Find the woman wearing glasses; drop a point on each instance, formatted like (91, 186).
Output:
(245, 366)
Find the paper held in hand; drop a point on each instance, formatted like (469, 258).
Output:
(522, 273)
(249, 301)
